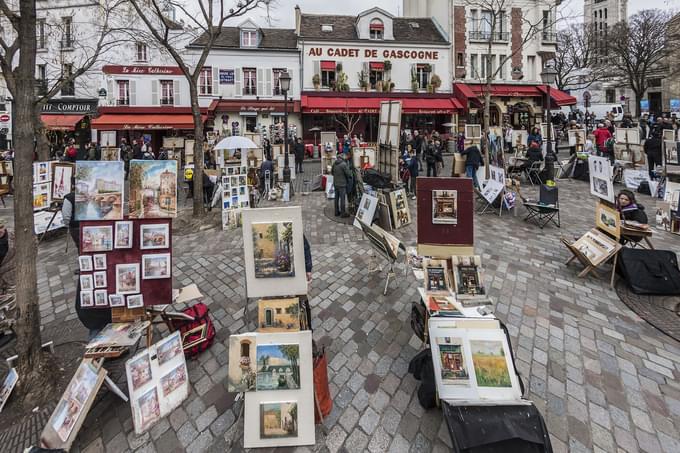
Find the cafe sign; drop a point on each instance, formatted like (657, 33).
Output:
(147, 127)
(71, 106)
(385, 54)
(142, 70)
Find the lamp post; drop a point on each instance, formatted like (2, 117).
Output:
(284, 80)
(548, 77)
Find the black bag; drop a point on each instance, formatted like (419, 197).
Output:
(643, 188)
(418, 316)
(376, 179)
(422, 369)
(650, 271)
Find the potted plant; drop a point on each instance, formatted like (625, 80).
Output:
(363, 81)
(415, 86)
(427, 67)
(392, 85)
(430, 88)
(378, 86)
(338, 67)
(436, 82)
(316, 80)
(387, 65)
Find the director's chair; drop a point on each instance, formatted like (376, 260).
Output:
(546, 210)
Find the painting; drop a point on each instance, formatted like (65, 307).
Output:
(140, 371)
(101, 298)
(168, 348)
(607, 219)
(149, 409)
(156, 266)
(596, 246)
(453, 371)
(116, 300)
(273, 249)
(278, 420)
(153, 189)
(65, 417)
(123, 235)
(601, 178)
(110, 154)
(671, 152)
(127, 278)
(366, 210)
(70, 407)
(154, 236)
(41, 172)
(491, 367)
(473, 131)
(436, 275)
(100, 279)
(86, 299)
(174, 379)
(135, 301)
(400, 213)
(7, 387)
(96, 239)
(85, 263)
(61, 182)
(86, 282)
(577, 138)
(99, 262)
(278, 315)
(630, 136)
(41, 196)
(242, 363)
(99, 190)
(445, 207)
(278, 367)
(468, 278)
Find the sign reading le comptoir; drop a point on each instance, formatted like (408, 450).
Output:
(387, 54)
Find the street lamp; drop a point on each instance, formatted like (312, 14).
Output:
(548, 77)
(284, 80)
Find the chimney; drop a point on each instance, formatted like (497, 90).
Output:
(298, 17)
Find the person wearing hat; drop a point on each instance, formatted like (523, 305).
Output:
(601, 134)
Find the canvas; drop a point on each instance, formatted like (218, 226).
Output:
(41, 196)
(100, 280)
(153, 189)
(168, 348)
(577, 138)
(86, 282)
(445, 207)
(110, 154)
(99, 261)
(401, 215)
(127, 278)
(273, 251)
(86, 299)
(278, 367)
(174, 380)
(156, 266)
(61, 182)
(468, 278)
(278, 420)
(123, 235)
(70, 408)
(116, 300)
(491, 367)
(454, 370)
(99, 190)
(41, 172)
(7, 386)
(436, 275)
(278, 315)
(473, 131)
(519, 139)
(671, 153)
(154, 236)
(601, 178)
(607, 218)
(135, 301)
(149, 409)
(366, 211)
(242, 363)
(101, 298)
(140, 371)
(96, 239)
(596, 246)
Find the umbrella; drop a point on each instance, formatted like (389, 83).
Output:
(315, 129)
(236, 142)
(448, 125)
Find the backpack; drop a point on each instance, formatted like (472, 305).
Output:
(376, 179)
(71, 152)
(192, 330)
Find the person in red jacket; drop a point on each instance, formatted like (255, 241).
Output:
(601, 134)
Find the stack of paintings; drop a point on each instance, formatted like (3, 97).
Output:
(235, 194)
(51, 183)
(468, 280)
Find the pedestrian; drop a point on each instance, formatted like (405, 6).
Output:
(629, 209)
(299, 151)
(535, 137)
(460, 142)
(438, 156)
(430, 159)
(341, 179)
(126, 155)
(68, 213)
(267, 166)
(652, 149)
(137, 150)
(601, 134)
(71, 151)
(413, 167)
(346, 144)
(473, 160)
(643, 128)
(89, 151)
(267, 146)
(418, 144)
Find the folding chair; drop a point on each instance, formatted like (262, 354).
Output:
(547, 208)
(534, 171)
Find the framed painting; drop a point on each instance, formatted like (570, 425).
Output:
(601, 178)
(473, 131)
(468, 277)
(62, 173)
(154, 236)
(401, 215)
(242, 363)
(607, 219)
(100, 188)
(278, 315)
(153, 189)
(156, 266)
(436, 276)
(366, 210)
(96, 239)
(576, 138)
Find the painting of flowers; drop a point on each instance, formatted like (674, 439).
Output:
(273, 249)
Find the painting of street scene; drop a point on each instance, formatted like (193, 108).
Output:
(491, 368)
(278, 367)
(153, 189)
(99, 190)
(278, 420)
(273, 250)
(278, 315)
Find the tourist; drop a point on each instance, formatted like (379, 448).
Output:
(267, 166)
(418, 144)
(652, 148)
(68, 213)
(535, 137)
(299, 151)
(601, 134)
(341, 179)
(413, 167)
(629, 209)
(71, 151)
(473, 161)
(431, 159)
(136, 150)
(439, 157)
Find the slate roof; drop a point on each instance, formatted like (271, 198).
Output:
(270, 38)
(344, 29)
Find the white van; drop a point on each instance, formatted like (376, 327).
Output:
(600, 111)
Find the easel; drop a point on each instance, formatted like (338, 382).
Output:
(379, 244)
(54, 209)
(588, 265)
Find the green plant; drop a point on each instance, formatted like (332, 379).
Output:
(436, 81)
(316, 79)
(427, 67)
(363, 79)
(387, 65)
(415, 86)
(430, 88)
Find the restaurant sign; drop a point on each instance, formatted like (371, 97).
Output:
(147, 127)
(142, 70)
(71, 106)
(386, 54)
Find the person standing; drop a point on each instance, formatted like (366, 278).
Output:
(71, 151)
(68, 213)
(652, 149)
(601, 134)
(341, 178)
(137, 150)
(535, 137)
(418, 144)
(438, 157)
(473, 160)
(431, 160)
(413, 167)
(299, 151)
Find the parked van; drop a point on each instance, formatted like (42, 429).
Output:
(600, 111)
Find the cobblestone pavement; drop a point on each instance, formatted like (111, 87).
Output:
(604, 380)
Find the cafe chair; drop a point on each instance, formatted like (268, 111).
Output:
(546, 210)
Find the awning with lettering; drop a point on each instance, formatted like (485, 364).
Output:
(61, 122)
(328, 66)
(377, 66)
(131, 121)
(371, 105)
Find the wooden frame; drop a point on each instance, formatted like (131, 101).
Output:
(594, 238)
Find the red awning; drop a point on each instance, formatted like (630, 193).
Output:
(377, 66)
(61, 122)
(113, 122)
(323, 104)
(377, 26)
(328, 66)
(559, 98)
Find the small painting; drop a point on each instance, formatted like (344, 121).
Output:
(116, 300)
(445, 207)
(110, 154)
(85, 263)
(608, 220)
(168, 349)
(491, 367)
(86, 299)
(278, 315)
(174, 379)
(156, 266)
(242, 363)
(468, 278)
(65, 417)
(99, 262)
(400, 212)
(99, 190)
(278, 420)
(127, 278)
(123, 239)
(86, 282)
(153, 189)
(436, 275)
(154, 236)
(273, 249)
(8, 386)
(278, 367)
(61, 182)
(140, 371)
(41, 172)
(454, 371)
(41, 196)
(100, 279)
(101, 298)
(97, 239)
(149, 409)
(135, 301)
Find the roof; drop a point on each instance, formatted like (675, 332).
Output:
(344, 29)
(270, 38)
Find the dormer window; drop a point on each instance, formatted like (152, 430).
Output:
(376, 29)
(326, 28)
(248, 38)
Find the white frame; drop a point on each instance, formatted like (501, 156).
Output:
(97, 256)
(274, 287)
(366, 215)
(393, 208)
(130, 225)
(157, 255)
(119, 300)
(96, 227)
(137, 285)
(86, 282)
(105, 294)
(90, 295)
(627, 136)
(94, 277)
(144, 226)
(601, 168)
(10, 381)
(304, 396)
(87, 260)
(135, 301)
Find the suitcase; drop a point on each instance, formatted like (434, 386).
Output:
(653, 272)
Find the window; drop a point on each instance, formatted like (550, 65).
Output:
(141, 52)
(548, 23)
(40, 33)
(205, 82)
(605, 13)
(69, 89)
(42, 79)
(248, 38)
(123, 92)
(167, 92)
(66, 32)
(474, 73)
(460, 59)
(485, 24)
(501, 63)
(474, 21)
(375, 73)
(376, 29)
(249, 81)
(423, 75)
(277, 84)
(327, 74)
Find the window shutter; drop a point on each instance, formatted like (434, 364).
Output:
(216, 80)
(268, 82)
(238, 90)
(133, 92)
(317, 68)
(260, 82)
(154, 93)
(413, 72)
(175, 89)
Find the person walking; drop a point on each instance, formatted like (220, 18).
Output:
(601, 134)
(299, 151)
(413, 167)
(71, 151)
(438, 156)
(341, 178)
(431, 159)
(473, 159)
(652, 149)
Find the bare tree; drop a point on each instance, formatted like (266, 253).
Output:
(205, 21)
(347, 121)
(637, 47)
(576, 60)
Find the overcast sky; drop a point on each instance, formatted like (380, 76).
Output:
(283, 13)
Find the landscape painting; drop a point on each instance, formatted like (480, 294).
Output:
(99, 190)
(445, 207)
(273, 249)
(97, 239)
(174, 379)
(278, 315)
(61, 184)
(453, 369)
(153, 189)
(491, 367)
(278, 367)
(241, 377)
(278, 420)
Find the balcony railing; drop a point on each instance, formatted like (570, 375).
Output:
(486, 35)
(66, 44)
(549, 36)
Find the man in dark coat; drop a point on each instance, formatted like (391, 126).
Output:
(299, 151)
(473, 160)
(652, 148)
(341, 179)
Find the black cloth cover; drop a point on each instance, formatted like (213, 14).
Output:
(650, 271)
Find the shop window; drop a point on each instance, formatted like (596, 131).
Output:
(248, 38)
(277, 84)
(327, 74)
(205, 82)
(167, 92)
(460, 59)
(249, 82)
(376, 29)
(141, 52)
(251, 123)
(376, 73)
(123, 92)
(423, 72)
(69, 88)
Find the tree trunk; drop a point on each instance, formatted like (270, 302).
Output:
(638, 98)
(31, 359)
(199, 210)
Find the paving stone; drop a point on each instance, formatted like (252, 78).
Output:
(206, 418)
(349, 418)
(369, 420)
(186, 434)
(335, 438)
(356, 441)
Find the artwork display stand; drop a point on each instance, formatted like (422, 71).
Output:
(389, 130)
(385, 245)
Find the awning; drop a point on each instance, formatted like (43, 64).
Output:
(377, 66)
(377, 26)
(131, 121)
(327, 104)
(559, 98)
(328, 66)
(474, 92)
(61, 122)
